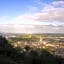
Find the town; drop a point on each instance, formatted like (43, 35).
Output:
(52, 42)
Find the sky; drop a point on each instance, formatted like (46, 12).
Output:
(32, 16)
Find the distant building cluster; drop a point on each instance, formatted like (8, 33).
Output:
(44, 43)
(38, 44)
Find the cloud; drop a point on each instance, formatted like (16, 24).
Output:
(58, 3)
(33, 20)
(18, 28)
(50, 14)
(47, 13)
(53, 11)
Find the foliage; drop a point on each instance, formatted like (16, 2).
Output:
(27, 47)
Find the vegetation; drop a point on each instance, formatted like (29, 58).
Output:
(10, 55)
